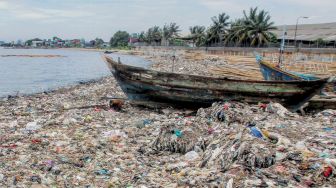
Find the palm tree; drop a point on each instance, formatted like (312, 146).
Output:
(142, 37)
(165, 35)
(157, 34)
(254, 28)
(153, 34)
(197, 35)
(169, 32)
(237, 33)
(219, 27)
(174, 29)
(98, 42)
(148, 36)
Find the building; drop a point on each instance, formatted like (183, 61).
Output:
(132, 40)
(75, 43)
(60, 44)
(309, 35)
(67, 43)
(47, 43)
(37, 43)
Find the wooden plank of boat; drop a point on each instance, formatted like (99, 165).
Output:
(197, 91)
(272, 72)
(321, 103)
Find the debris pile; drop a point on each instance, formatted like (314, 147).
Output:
(72, 138)
(255, 145)
(199, 63)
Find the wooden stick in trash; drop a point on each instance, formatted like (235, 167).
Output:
(111, 98)
(86, 107)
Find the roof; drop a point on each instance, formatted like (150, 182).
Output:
(309, 32)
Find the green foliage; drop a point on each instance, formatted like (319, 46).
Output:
(98, 42)
(197, 35)
(254, 29)
(320, 41)
(119, 39)
(178, 42)
(123, 47)
(218, 29)
(169, 32)
(153, 34)
(142, 37)
(273, 39)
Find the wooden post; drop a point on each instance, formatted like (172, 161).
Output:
(173, 58)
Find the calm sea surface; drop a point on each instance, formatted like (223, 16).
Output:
(28, 75)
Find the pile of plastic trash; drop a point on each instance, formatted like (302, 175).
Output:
(72, 138)
(256, 145)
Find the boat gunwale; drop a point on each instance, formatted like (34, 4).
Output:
(125, 66)
(270, 66)
(203, 88)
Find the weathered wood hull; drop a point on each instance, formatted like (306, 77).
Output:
(270, 72)
(195, 91)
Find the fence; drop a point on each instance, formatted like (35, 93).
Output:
(245, 50)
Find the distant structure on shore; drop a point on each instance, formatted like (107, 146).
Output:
(309, 35)
(57, 42)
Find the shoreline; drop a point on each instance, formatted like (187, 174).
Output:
(49, 90)
(79, 49)
(54, 90)
(71, 136)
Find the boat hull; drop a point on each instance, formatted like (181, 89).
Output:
(195, 91)
(271, 72)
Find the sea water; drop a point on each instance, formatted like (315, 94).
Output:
(27, 75)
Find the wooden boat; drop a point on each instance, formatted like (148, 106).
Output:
(199, 91)
(272, 72)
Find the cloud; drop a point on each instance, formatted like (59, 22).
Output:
(21, 11)
(101, 18)
(232, 6)
(3, 5)
(312, 3)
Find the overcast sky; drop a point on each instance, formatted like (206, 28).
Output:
(24, 19)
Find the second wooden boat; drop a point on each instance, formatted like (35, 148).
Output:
(198, 91)
(272, 72)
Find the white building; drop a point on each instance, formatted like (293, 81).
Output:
(37, 43)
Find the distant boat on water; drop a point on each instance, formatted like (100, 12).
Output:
(109, 52)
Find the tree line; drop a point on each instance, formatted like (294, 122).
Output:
(253, 29)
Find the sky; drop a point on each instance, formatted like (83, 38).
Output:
(88, 19)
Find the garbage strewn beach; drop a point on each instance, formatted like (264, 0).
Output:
(71, 137)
